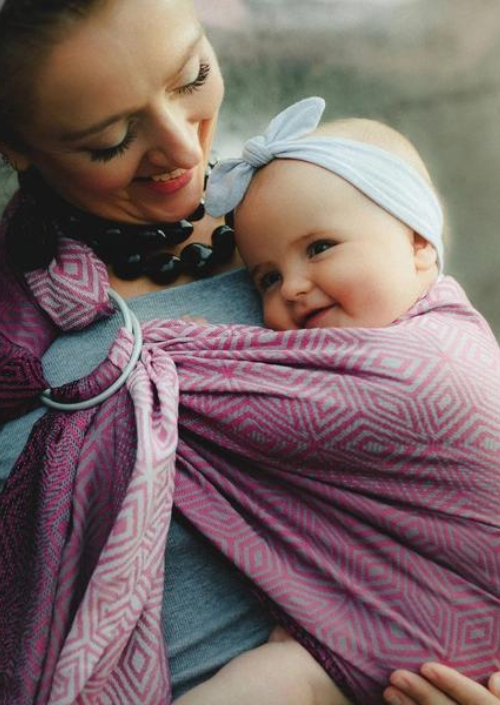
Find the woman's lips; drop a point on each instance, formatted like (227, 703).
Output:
(169, 185)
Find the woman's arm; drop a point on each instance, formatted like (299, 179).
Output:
(439, 685)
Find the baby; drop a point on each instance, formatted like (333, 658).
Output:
(355, 242)
(340, 228)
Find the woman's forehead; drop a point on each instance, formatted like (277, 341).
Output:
(109, 62)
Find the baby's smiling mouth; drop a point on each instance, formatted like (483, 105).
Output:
(313, 319)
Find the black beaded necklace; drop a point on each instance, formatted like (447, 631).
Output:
(132, 250)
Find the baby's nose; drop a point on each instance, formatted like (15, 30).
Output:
(295, 287)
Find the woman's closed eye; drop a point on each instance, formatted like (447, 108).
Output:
(319, 246)
(105, 155)
(198, 82)
(268, 280)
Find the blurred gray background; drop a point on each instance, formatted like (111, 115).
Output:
(430, 68)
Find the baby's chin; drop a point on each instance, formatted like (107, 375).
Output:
(335, 317)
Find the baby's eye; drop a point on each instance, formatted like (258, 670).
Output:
(269, 279)
(319, 246)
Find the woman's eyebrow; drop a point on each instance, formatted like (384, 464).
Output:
(74, 136)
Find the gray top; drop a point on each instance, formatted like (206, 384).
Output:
(210, 613)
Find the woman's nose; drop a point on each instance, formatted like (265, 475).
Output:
(175, 140)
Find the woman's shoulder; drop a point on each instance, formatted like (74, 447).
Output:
(225, 298)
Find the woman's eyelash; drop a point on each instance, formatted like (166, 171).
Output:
(104, 155)
(199, 81)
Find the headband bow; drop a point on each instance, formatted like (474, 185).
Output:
(382, 176)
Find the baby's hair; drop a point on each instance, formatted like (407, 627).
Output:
(379, 135)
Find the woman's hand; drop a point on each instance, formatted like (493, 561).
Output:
(439, 685)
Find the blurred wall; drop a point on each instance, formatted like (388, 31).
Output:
(430, 68)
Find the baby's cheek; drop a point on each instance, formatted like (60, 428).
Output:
(268, 318)
(277, 317)
(270, 315)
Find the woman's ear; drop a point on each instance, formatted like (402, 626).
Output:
(16, 160)
(424, 253)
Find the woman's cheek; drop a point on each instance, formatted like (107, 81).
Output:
(106, 177)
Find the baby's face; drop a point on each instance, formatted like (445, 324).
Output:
(322, 254)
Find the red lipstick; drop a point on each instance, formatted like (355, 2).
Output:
(170, 186)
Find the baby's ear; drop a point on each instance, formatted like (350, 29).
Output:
(425, 254)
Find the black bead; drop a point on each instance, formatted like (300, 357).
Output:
(114, 235)
(152, 239)
(179, 232)
(129, 265)
(164, 268)
(223, 243)
(229, 219)
(110, 241)
(197, 214)
(198, 259)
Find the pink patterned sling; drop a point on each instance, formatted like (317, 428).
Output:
(353, 475)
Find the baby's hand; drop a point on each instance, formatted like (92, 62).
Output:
(195, 319)
(439, 685)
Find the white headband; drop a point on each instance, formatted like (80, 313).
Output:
(382, 176)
